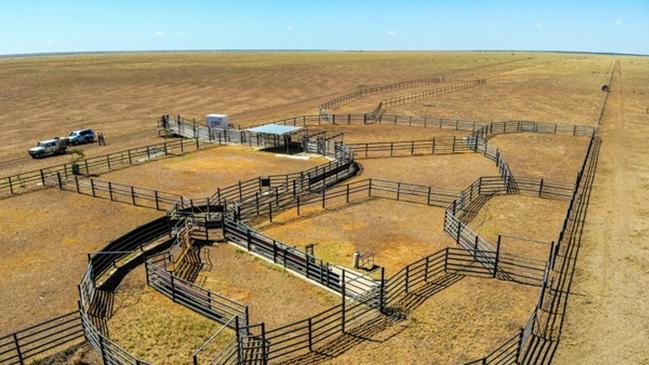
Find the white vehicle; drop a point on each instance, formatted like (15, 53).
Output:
(50, 147)
(218, 121)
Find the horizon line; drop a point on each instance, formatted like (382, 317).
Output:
(315, 50)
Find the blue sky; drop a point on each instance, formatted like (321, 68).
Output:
(61, 26)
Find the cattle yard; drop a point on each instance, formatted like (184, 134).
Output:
(375, 233)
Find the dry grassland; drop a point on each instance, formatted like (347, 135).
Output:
(563, 90)
(273, 295)
(521, 216)
(607, 320)
(453, 172)
(461, 323)
(385, 132)
(154, 328)
(124, 94)
(552, 157)
(398, 233)
(46, 238)
(198, 175)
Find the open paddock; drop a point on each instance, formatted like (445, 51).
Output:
(47, 236)
(199, 174)
(528, 224)
(559, 91)
(451, 321)
(274, 296)
(554, 157)
(153, 327)
(397, 232)
(358, 133)
(453, 171)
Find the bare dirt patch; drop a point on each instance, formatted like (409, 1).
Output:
(274, 296)
(199, 174)
(47, 236)
(454, 172)
(461, 323)
(386, 132)
(524, 217)
(398, 233)
(552, 157)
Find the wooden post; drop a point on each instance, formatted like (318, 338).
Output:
(102, 349)
(11, 187)
(76, 182)
(87, 170)
(157, 202)
(459, 231)
(133, 195)
(58, 176)
(426, 269)
(382, 291)
(541, 188)
(429, 193)
(110, 190)
(497, 256)
(398, 190)
(453, 149)
(323, 198)
(433, 149)
(42, 177)
(92, 187)
(391, 148)
(270, 211)
(182, 147)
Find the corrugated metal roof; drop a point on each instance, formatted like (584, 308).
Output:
(276, 129)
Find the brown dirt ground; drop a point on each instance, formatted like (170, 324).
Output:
(367, 226)
(382, 133)
(61, 91)
(454, 172)
(168, 334)
(461, 323)
(46, 238)
(552, 157)
(273, 295)
(562, 91)
(521, 216)
(197, 175)
(607, 319)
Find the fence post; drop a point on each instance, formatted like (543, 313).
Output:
(20, 354)
(398, 190)
(236, 330)
(426, 269)
(541, 188)
(102, 348)
(497, 255)
(130, 161)
(347, 194)
(429, 192)
(270, 211)
(446, 259)
(76, 182)
(42, 177)
(343, 303)
(407, 278)
(58, 176)
(110, 190)
(310, 335)
(87, 170)
(459, 230)
(520, 345)
(476, 245)
(323, 198)
(382, 291)
(157, 202)
(133, 195)
(92, 187)
(298, 205)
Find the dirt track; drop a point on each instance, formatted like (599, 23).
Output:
(607, 319)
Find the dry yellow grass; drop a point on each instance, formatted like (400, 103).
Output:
(46, 238)
(198, 175)
(68, 92)
(153, 327)
(398, 233)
